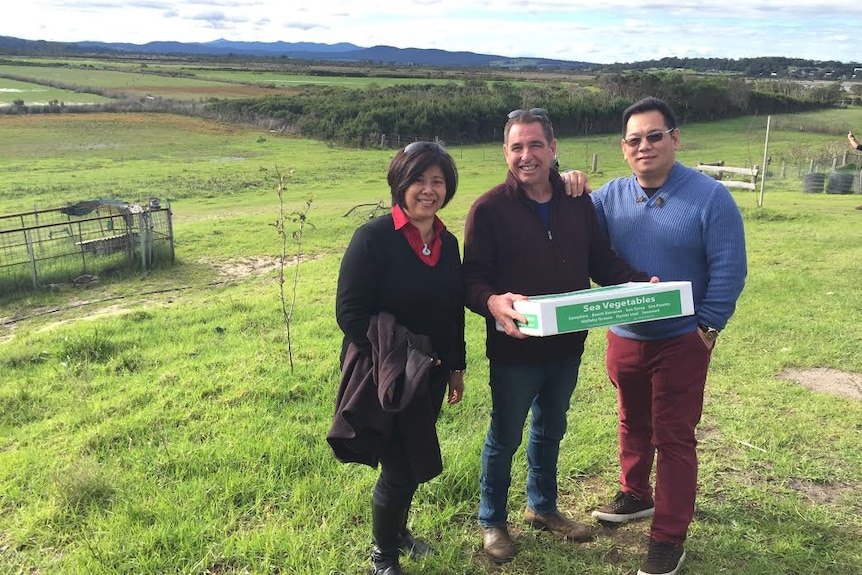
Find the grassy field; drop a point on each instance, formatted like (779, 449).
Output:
(194, 83)
(30, 93)
(184, 80)
(152, 424)
(134, 82)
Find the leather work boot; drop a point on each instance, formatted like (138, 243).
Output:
(385, 524)
(409, 545)
(556, 523)
(384, 562)
(497, 543)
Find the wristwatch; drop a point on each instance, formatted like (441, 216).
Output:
(710, 333)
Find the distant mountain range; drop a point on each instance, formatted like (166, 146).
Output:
(342, 52)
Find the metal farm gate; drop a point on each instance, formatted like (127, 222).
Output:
(89, 238)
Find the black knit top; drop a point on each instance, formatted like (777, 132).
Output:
(380, 272)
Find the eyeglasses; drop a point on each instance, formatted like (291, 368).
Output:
(541, 112)
(417, 147)
(652, 138)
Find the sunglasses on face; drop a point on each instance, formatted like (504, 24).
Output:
(652, 138)
(416, 147)
(541, 112)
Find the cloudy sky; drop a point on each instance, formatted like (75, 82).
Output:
(601, 31)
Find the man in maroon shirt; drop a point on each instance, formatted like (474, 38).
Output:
(523, 238)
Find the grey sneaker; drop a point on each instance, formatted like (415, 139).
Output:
(663, 559)
(624, 507)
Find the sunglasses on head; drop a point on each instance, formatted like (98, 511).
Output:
(652, 138)
(541, 112)
(416, 147)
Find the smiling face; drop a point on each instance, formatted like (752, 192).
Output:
(530, 156)
(651, 162)
(425, 195)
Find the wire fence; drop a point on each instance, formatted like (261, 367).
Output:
(80, 242)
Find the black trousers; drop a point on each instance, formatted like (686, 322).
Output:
(396, 484)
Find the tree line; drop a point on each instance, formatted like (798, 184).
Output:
(773, 66)
(475, 111)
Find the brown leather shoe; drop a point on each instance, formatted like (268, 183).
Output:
(498, 544)
(556, 523)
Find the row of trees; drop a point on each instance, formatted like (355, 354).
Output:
(476, 111)
(763, 67)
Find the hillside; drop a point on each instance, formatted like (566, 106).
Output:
(342, 52)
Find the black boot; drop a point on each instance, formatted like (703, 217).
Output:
(386, 523)
(409, 545)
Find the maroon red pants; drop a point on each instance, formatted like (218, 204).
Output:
(660, 388)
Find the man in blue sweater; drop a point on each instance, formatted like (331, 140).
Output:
(677, 224)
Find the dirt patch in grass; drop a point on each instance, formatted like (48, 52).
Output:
(255, 266)
(841, 383)
(245, 267)
(829, 492)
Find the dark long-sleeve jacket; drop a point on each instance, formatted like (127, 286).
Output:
(508, 248)
(385, 392)
(380, 272)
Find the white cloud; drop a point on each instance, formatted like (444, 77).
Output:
(617, 31)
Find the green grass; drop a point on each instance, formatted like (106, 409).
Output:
(116, 81)
(281, 79)
(152, 424)
(290, 73)
(174, 81)
(96, 78)
(30, 93)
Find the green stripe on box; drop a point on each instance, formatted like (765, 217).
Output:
(630, 309)
(618, 287)
(532, 321)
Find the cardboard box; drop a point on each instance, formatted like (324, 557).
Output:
(631, 302)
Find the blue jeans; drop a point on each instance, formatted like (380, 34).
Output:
(545, 389)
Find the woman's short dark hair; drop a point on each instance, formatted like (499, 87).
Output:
(650, 104)
(412, 161)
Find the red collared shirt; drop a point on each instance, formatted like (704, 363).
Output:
(414, 238)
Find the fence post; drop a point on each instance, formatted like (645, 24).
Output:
(595, 163)
(31, 252)
(142, 237)
(171, 230)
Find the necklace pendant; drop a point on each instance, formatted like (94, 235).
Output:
(426, 251)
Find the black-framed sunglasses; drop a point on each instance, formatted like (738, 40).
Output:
(423, 146)
(652, 138)
(532, 111)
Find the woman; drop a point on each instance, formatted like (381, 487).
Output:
(407, 265)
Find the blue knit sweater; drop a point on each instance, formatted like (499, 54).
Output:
(690, 230)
